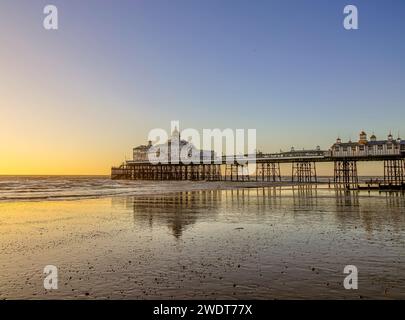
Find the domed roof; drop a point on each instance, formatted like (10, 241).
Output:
(175, 131)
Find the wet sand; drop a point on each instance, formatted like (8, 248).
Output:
(259, 243)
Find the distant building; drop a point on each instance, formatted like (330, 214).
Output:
(364, 147)
(174, 145)
(140, 153)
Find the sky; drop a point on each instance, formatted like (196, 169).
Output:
(77, 100)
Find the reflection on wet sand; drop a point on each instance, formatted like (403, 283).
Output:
(305, 196)
(395, 199)
(180, 210)
(177, 211)
(356, 207)
(257, 243)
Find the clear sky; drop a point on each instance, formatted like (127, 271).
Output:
(76, 100)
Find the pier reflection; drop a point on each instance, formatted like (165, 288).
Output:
(349, 210)
(395, 199)
(176, 211)
(260, 198)
(370, 210)
(305, 196)
(346, 198)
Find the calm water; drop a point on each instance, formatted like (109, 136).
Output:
(139, 241)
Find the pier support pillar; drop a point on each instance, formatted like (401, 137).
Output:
(268, 171)
(304, 171)
(345, 174)
(236, 172)
(213, 172)
(394, 172)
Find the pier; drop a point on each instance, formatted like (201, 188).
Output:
(303, 170)
(344, 156)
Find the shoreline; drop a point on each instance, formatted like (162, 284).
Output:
(149, 188)
(153, 188)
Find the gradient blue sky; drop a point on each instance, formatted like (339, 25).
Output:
(116, 69)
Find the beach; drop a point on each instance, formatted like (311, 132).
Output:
(244, 243)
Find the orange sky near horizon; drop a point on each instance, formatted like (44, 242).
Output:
(42, 136)
(58, 139)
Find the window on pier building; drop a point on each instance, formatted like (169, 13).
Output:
(361, 148)
(380, 147)
(389, 146)
(344, 149)
(353, 148)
